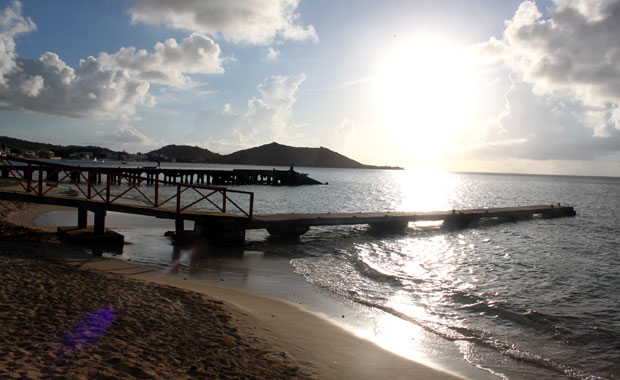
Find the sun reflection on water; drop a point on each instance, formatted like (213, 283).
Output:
(423, 190)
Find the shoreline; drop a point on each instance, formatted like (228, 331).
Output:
(318, 346)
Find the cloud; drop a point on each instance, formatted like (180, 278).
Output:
(258, 22)
(542, 127)
(565, 94)
(128, 134)
(12, 24)
(272, 54)
(170, 61)
(575, 52)
(109, 86)
(266, 118)
(127, 137)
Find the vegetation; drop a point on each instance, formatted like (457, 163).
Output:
(273, 154)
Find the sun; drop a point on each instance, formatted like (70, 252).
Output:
(425, 93)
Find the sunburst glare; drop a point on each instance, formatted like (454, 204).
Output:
(426, 89)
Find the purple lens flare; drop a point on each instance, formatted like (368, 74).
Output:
(87, 330)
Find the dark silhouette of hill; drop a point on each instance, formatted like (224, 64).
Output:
(186, 153)
(275, 154)
(20, 146)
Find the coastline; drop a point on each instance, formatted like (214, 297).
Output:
(312, 346)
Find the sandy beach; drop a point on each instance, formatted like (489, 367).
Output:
(68, 315)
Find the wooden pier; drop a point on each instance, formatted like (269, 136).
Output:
(291, 225)
(228, 219)
(150, 174)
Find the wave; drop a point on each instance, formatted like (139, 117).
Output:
(458, 333)
(455, 333)
(526, 318)
(372, 272)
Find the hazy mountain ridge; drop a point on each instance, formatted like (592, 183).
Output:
(273, 154)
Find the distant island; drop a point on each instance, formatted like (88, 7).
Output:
(273, 154)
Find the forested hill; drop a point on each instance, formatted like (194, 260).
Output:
(273, 154)
(18, 146)
(186, 153)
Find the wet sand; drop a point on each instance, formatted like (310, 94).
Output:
(67, 315)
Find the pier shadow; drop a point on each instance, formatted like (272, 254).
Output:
(198, 248)
(98, 250)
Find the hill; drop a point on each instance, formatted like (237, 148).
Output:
(275, 154)
(21, 146)
(186, 153)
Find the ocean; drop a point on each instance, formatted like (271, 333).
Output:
(521, 300)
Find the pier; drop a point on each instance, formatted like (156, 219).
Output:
(220, 215)
(151, 174)
(291, 225)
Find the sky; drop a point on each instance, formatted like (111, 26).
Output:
(455, 85)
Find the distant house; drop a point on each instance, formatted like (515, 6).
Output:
(45, 154)
(4, 150)
(109, 155)
(82, 156)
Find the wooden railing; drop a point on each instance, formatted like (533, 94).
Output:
(89, 183)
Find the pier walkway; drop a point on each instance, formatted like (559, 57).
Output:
(219, 214)
(149, 174)
(297, 224)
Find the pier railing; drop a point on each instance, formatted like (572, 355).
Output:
(107, 186)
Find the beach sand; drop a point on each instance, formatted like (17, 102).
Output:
(68, 315)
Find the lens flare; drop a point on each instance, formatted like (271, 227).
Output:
(87, 330)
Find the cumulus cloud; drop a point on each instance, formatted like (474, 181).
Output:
(127, 137)
(545, 128)
(272, 54)
(170, 61)
(12, 24)
(259, 22)
(128, 134)
(109, 86)
(266, 118)
(565, 97)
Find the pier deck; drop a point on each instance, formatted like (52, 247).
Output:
(286, 224)
(217, 224)
(231, 210)
(150, 174)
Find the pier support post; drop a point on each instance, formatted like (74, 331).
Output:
(82, 217)
(223, 232)
(459, 221)
(179, 225)
(100, 221)
(52, 175)
(516, 218)
(287, 231)
(558, 212)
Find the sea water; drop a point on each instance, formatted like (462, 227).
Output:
(531, 299)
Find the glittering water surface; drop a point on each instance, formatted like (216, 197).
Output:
(531, 299)
(535, 299)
